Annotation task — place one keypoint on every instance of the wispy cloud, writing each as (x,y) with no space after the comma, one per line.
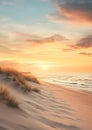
(75,11)
(51,39)
(15,43)
(85,54)
(20,37)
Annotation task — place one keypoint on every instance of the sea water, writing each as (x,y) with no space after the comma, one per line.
(75,80)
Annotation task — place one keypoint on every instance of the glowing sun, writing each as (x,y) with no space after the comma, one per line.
(44,66)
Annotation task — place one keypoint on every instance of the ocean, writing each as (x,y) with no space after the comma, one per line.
(81,81)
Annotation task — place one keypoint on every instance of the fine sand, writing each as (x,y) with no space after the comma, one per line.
(79,101)
(54,108)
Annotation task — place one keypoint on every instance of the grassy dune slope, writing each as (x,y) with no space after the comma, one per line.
(20,81)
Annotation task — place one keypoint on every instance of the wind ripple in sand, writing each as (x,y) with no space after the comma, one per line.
(52,111)
(44,111)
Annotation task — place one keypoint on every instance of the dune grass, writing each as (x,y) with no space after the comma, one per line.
(31,78)
(20,79)
(7,96)
(23,84)
(13,72)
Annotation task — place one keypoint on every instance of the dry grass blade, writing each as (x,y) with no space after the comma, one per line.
(7,96)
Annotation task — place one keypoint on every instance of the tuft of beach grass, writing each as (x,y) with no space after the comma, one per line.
(7,96)
(21,80)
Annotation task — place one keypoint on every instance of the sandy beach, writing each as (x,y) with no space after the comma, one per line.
(79,101)
(54,108)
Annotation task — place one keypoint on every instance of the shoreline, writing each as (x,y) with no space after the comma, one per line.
(67,86)
(80,101)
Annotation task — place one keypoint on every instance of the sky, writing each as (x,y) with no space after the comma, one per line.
(46,36)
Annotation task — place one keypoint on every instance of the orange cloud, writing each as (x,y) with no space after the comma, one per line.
(73,11)
(82,43)
(85,42)
(51,39)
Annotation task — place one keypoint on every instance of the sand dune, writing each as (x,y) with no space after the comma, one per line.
(54,108)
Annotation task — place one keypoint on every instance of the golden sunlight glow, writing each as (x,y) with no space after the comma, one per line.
(44,66)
